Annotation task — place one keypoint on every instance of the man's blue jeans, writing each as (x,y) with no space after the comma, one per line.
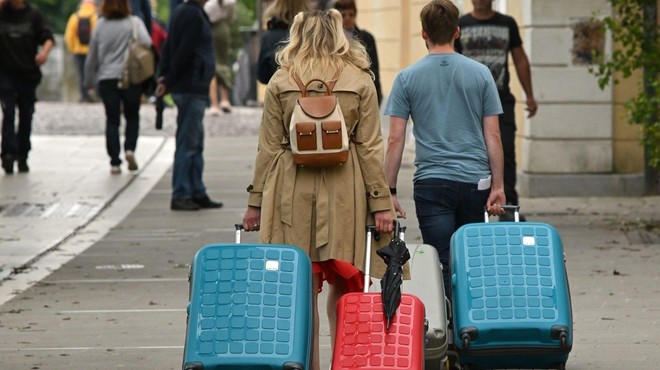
(442,206)
(188,156)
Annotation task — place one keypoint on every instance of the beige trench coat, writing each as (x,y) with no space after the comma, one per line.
(323,211)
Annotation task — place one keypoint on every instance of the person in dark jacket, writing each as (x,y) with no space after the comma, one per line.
(22,30)
(186,67)
(278,17)
(348,12)
(142,9)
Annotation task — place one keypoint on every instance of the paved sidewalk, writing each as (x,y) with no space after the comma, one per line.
(112,292)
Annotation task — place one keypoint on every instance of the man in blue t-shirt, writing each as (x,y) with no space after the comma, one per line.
(454,105)
(488,37)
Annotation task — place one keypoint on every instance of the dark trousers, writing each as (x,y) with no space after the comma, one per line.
(113,98)
(16,92)
(79,59)
(508,134)
(442,206)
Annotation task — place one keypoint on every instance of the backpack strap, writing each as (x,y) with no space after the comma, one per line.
(134,34)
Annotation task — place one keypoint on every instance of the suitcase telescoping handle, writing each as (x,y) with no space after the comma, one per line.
(513,207)
(371,230)
(238,227)
(371,234)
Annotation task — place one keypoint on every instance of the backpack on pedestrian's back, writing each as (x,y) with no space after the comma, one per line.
(84,29)
(317,131)
(139,63)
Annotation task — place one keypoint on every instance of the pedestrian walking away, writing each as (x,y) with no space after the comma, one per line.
(322,210)
(488,37)
(221,13)
(22,30)
(77,35)
(278,18)
(186,68)
(454,105)
(348,11)
(142,10)
(105,66)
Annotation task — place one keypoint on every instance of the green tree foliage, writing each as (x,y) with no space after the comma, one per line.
(635,32)
(57,12)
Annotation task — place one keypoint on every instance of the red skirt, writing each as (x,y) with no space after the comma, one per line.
(331,270)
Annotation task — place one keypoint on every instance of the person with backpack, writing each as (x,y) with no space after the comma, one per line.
(322,210)
(77,35)
(106,66)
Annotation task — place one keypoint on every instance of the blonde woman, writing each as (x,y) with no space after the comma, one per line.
(323,211)
(278,17)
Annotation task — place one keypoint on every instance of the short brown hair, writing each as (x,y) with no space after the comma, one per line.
(346,5)
(439,20)
(115,9)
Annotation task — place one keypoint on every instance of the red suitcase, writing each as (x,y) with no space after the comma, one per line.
(362,342)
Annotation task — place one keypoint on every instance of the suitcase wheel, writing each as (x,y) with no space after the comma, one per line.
(293,366)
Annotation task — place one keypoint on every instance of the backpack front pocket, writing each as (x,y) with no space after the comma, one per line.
(306,135)
(331,134)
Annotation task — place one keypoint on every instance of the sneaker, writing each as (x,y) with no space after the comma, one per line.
(214,111)
(225,106)
(130,158)
(8,163)
(206,202)
(22,165)
(184,205)
(115,170)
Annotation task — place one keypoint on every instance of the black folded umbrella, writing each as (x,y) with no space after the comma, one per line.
(395,255)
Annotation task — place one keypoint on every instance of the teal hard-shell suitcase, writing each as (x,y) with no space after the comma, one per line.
(250,307)
(510,295)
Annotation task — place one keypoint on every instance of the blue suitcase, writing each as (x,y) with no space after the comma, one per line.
(250,308)
(510,294)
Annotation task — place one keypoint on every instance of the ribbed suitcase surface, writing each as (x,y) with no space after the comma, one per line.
(511,297)
(362,341)
(250,308)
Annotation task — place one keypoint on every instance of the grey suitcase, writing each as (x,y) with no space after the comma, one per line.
(426,282)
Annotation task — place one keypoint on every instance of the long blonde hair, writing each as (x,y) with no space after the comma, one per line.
(317,41)
(285,10)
